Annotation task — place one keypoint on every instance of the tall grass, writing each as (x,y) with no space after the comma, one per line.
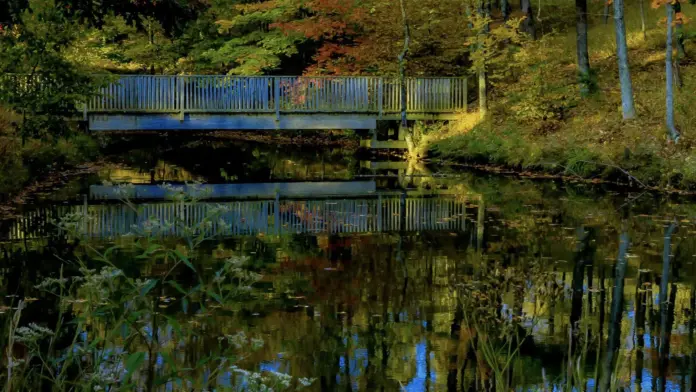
(115,330)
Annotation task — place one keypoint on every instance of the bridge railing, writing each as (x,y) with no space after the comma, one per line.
(334,216)
(279,94)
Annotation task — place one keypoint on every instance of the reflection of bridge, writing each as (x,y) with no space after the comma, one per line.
(380,213)
(268,102)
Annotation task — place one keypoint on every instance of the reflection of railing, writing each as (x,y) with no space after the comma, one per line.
(364,215)
(287,94)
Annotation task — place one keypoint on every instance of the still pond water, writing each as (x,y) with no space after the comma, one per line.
(405,291)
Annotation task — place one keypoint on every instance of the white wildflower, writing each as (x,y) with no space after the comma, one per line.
(238,340)
(256,343)
(305,382)
(32,333)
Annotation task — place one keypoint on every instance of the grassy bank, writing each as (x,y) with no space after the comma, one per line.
(24,163)
(541,123)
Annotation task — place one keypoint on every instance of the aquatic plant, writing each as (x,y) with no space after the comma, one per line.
(115,330)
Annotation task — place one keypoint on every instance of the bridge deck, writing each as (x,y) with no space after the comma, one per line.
(268,102)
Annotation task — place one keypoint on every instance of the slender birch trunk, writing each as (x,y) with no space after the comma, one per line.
(627,103)
(669,84)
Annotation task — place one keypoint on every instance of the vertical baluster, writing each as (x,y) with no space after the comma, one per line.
(119,90)
(136,91)
(159,86)
(366,94)
(443,90)
(243,91)
(212,104)
(422,88)
(210,101)
(255,101)
(432,95)
(151,94)
(208,94)
(437,92)
(128,91)
(166,85)
(244,83)
(249,94)
(190,87)
(234,82)
(173,88)
(146,96)
(358,94)
(196,92)
(229,94)
(202,88)
(244,94)
(347,94)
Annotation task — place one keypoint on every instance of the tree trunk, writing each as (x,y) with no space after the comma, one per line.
(402,79)
(483,93)
(642,18)
(581,43)
(669,84)
(681,51)
(482,86)
(627,104)
(605,13)
(505,9)
(528,24)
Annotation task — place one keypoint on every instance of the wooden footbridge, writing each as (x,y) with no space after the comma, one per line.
(268,102)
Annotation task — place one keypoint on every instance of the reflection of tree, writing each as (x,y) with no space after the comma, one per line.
(666,307)
(640,306)
(584,257)
(616,313)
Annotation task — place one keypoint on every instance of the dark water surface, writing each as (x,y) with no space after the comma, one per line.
(410,291)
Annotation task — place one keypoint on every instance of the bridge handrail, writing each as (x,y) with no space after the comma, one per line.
(279,94)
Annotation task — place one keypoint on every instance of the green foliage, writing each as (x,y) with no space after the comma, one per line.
(250,42)
(115,331)
(493,50)
(38,82)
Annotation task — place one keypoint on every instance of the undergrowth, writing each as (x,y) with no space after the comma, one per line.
(540,122)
